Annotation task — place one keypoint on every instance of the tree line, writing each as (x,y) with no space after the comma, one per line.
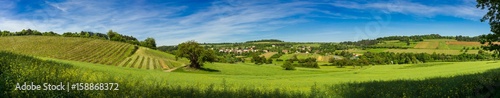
(111,35)
(265,40)
(384,58)
(416,37)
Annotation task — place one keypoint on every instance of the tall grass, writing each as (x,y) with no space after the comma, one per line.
(474,85)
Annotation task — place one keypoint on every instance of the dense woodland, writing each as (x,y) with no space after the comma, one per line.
(111,35)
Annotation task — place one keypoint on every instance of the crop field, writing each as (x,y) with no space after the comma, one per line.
(268,54)
(463,43)
(77,49)
(430,51)
(307,45)
(145,58)
(300,55)
(90,50)
(360,51)
(427,45)
(396,43)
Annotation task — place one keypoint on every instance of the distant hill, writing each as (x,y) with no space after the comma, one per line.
(88,50)
(265,40)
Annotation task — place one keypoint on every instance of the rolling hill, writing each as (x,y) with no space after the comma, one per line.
(90,50)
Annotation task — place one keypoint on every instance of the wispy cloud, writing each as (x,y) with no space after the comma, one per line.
(223,19)
(172,22)
(168,23)
(466,9)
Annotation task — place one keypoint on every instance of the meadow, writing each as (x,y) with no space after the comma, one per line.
(436,79)
(141,72)
(91,50)
(77,49)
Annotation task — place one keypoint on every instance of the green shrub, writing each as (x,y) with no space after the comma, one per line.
(288,66)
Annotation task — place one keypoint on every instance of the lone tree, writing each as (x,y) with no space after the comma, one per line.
(195,53)
(149,42)
(493,17)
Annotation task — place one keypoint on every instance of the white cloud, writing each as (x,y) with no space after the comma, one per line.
(220,21)
(465,10)
(165,22)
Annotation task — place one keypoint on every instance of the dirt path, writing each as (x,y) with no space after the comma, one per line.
(170,70)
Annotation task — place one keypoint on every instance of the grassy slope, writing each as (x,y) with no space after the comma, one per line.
(153,59)
(427,46)
(270,76)
(89,50)
(69,48)
(396,43)
(268,54)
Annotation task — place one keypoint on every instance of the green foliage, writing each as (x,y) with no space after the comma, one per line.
(265,40)
(383,58)
(111,35)
(168,49)
(149,42)
(19,69)
(230,59)
(415,37)
(74,48)
(195,53)
(288,66)
(481,85)
(493,17)
(308,62)
(258,59)
(269,61)
(277,55)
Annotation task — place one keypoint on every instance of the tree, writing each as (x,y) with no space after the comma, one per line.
(269,61)
(288,66)
(149,42)
(196,54)
(114,36)
(493,17)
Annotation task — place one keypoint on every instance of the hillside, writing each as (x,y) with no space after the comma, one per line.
(88,50)
(145,58)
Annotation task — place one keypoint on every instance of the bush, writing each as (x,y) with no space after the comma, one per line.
(279,60)
(277,55)
(288,66)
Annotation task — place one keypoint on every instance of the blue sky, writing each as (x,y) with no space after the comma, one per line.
(171,22)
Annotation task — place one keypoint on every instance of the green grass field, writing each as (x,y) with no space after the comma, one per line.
(145,58)
(90,50)
(395,43)
(306,45)
(430,51)
(142,71)
(268,54)
(78,49)
(271,76)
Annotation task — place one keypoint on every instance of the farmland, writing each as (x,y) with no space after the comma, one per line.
(263,78)
(145,58)
(138,68)
(90,50)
